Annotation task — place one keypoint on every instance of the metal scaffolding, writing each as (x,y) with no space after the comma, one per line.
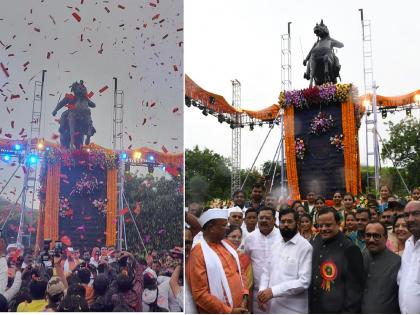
(236,137)
(286,84)
(30,175)
(371,123)
(118,144)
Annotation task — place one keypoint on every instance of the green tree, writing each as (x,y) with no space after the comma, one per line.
(160,219)
(389,175)
(403,148)
(207,175)
(253,177)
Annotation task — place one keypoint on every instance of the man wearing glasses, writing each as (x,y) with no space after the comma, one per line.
(380,294)
(409,274)
(337,269)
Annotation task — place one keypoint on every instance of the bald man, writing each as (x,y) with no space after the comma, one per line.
(409,274)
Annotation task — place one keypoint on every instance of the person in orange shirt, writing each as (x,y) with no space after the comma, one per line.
(85,277)
(213,269)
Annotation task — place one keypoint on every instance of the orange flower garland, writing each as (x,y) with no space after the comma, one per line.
(52,202)
(111,216)
(290,150)
(351,152)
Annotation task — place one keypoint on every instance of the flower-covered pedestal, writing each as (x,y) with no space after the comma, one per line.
(78,196)
(321,128)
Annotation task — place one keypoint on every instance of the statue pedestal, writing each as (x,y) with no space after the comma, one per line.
(314,163)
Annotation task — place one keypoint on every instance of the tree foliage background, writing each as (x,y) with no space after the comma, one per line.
(160,219)
(207,176)
(403,148)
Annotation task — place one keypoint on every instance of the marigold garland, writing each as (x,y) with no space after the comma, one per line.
(111,215)
(291,167)
(52,202)
(351,154)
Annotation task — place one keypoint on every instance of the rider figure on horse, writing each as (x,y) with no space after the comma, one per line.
(322,54)
(78,102)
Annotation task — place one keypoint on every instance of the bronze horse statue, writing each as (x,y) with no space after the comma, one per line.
(323,66)
(76,121)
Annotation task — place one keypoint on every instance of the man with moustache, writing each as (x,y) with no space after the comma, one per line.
(409,274)
(257,197)
(358,237)
(380,294)
(239,199)
(236,216)
(213,270)
(258,246)
(287,274)
(337,269)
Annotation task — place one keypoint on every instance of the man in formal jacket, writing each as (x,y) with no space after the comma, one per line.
(337,269)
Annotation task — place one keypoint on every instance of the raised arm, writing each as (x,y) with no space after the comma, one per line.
(91,104)
(336,43)
(60,105)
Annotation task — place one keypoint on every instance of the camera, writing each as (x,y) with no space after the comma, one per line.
(45,257)
(47,243)
(46,254)
(58,249)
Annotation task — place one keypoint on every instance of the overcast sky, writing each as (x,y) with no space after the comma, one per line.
(139,42)
(241,39)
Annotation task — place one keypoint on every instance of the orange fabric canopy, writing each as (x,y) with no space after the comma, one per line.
(394,101)
(219,104)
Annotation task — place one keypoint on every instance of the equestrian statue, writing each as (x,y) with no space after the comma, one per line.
(76,121)
(322,64)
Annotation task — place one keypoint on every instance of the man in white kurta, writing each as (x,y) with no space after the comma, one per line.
(287,273)
(409,274)
(258,246)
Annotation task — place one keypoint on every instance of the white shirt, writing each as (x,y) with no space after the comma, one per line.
(163,297)
(245,234)
(288,274)
(258,247)
(190,307)
(409,278)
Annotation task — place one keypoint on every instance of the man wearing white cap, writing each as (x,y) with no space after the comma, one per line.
(236,216)
(213,270)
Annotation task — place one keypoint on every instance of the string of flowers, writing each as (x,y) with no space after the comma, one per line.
(93,158)
(337,140)
(325,94)
(64,209)
(321,123)
(86,185)
(101,205)
(300,148)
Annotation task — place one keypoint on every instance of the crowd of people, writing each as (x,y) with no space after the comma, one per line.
(101,280)
(304,256)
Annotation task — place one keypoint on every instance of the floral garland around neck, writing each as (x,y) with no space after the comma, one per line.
(300,148)
(337,140)
(321,123)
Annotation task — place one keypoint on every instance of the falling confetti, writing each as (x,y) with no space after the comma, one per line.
(103,89)
(76,16)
